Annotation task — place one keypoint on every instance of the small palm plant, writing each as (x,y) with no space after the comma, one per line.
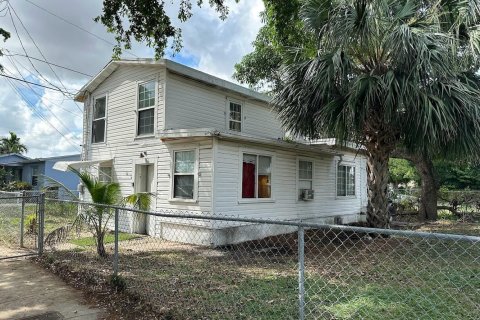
(103,194)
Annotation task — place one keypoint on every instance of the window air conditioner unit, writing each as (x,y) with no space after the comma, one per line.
(307,194)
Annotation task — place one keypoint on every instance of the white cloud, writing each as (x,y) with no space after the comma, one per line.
(215,44)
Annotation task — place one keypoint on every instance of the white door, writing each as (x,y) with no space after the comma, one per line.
(144,183)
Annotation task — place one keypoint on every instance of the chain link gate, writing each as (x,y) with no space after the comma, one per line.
(21,224)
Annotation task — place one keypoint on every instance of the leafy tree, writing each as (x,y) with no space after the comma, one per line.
(402,171)
(282,29)
(385,72)
(147,21)
(458,175)
(5,35)
(12,144)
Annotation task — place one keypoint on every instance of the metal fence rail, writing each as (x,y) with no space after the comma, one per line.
(191,265)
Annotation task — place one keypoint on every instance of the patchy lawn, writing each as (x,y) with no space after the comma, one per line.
(89,241)
(348,276)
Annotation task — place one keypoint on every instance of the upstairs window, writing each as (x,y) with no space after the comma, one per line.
(305,176)
(345,181)
(235,117)
(146,108)
(184,174)
(99,119)
(256,176)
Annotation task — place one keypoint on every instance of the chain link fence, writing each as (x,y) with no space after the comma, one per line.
(202,266)
(19,216)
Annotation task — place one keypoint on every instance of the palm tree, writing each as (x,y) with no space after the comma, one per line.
(11,144)
(97,217)
(385,72)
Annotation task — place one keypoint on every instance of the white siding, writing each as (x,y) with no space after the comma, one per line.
(190,104)
(184,104)
(125,149)
(285,206)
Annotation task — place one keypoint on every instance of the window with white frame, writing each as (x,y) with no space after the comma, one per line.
(305,176)
(105,174)
(99,119)
(235,116)
(256,176)
(146,108)
(34,176)
(184,174)
(345,180)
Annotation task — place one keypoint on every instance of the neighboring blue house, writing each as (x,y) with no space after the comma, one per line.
(21,168)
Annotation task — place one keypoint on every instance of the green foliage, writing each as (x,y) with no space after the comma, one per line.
(139,200)
(402,171)
(17,186)
(458,175)
(31,223)
(11,144)
(5,35)
(147,21)
(282,30)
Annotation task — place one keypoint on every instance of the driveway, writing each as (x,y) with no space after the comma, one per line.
(29,292)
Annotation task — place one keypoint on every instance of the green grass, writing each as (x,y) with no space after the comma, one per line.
(390,278)
(109,238)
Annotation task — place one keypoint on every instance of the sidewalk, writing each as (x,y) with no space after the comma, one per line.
(29,292)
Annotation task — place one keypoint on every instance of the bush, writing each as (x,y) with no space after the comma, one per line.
(17,186)
(31,223)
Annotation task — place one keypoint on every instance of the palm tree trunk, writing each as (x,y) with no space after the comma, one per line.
(377,176)
(380,142)
(101,245)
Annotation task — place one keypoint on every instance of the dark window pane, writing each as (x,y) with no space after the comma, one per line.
(235,126)
(341,183)
(146,120)
(99,108)
(98,131)
(183,187)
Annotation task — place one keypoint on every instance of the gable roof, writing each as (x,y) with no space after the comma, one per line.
(55,158)
(14,155)
(13,159)
(173,67)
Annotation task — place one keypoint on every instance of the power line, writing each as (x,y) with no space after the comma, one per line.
(79,27)
(40,51)
(24,50)
(14,62)
(35,84)
(53,64)
(39,115)
(39,95)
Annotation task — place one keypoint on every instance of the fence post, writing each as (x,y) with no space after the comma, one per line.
(115,254)
(22,220)
(301,273)
(41,222)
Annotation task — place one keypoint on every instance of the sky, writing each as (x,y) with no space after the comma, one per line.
(49,122)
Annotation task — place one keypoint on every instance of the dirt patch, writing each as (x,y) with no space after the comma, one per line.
(98,289)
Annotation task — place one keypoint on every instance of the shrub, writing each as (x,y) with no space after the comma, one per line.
(17,186)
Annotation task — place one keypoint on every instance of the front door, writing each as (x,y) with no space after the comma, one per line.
(144,183)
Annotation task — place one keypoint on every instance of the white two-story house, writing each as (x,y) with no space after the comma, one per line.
(204,145)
